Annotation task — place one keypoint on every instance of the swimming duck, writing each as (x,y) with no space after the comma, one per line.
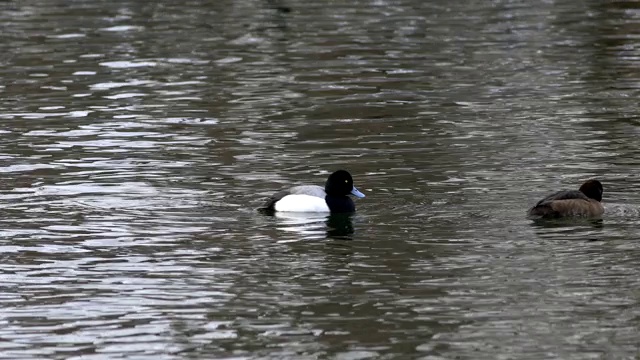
(585,202)
(312,198)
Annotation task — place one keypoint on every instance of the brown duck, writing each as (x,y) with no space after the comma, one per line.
(585,202)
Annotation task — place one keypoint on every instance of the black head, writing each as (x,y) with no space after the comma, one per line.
(593,189)
(339,183)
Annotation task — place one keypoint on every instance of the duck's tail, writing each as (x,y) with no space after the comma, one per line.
(544,210)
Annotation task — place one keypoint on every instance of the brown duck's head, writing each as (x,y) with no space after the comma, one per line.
(593,189)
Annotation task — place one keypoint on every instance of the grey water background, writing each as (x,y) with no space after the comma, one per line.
(138,138)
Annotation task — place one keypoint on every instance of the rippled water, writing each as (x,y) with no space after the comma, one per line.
(137,139)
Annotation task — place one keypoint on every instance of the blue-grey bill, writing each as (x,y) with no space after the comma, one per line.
(355,192)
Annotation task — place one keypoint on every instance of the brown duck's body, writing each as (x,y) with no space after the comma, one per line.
(571,203)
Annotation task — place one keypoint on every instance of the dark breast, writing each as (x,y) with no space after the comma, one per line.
(340,204)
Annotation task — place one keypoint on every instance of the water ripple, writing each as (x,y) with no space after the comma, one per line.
(138,142)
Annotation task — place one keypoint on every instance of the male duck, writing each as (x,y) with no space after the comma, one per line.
(584,202)
(312,198)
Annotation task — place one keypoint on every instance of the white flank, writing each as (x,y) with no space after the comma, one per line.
(302,203)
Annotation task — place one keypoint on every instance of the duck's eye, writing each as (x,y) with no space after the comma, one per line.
(346,181)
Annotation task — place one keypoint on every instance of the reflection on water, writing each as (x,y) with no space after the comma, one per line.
(138,138)
(569,229)
(307,225)
(340,226)
(316,225)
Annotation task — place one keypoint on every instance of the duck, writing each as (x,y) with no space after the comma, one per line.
(585,202)
(333,198)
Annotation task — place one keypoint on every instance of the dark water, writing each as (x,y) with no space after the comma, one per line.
(137,139)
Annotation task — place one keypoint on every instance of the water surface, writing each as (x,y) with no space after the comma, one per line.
(137,140)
